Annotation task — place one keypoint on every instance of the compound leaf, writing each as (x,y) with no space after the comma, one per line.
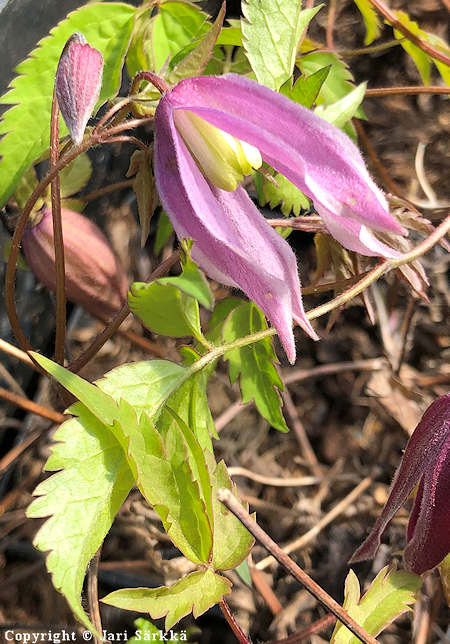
(81,500)
(390,594)
(254,363)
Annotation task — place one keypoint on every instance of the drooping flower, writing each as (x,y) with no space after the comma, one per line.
(197,174)
(78,83)
(95,279)
(426,459)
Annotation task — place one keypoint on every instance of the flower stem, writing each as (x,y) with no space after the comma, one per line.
(58,241)
(237,630)
(230,501)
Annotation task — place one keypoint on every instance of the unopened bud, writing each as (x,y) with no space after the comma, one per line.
(78,83)
(95,279)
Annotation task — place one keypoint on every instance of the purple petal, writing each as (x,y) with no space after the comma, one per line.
(422,452)
(313,154)
(429,525)
(78,83)
(233,242)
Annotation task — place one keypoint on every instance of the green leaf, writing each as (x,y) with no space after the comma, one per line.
(168,485)
(164,230)
(144,385)
(81,500)
(306,88)
(259,379)
(192,281)
(221,311)
(390,594)
(191,403)
(338,82)
(371,20)
(176,25)
(231,541)
(290,198)
(421,59)
(26,125)
(194,593)
(344,109)
(444,572)
(164,308)
(144,627)
(195,62)
(271,31)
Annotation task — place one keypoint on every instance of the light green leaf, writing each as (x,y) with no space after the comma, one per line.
(195,62)
(144,385)
(164,308)
(421,59)
(107,27)
(306,88)
(221,311)
(194,593)
(144,627)
(290,198)
(338,82)
(231,36)
(344,109)
(192,281)
(191,403)
(390,594)
(176,25)
(259,379)
(371,20)
(81,500)
(231,541)
(271,31)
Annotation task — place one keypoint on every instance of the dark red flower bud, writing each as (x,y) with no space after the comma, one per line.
(95,279)
(426,461)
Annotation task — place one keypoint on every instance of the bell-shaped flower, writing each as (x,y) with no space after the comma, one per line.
(78,83)
(426,459)
(198,169)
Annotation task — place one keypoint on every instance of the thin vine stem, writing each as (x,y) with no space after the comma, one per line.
(237,630)
(231,502)
(58,238)
(396,24)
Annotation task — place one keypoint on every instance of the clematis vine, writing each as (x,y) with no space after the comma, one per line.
(209,133)
(426,459)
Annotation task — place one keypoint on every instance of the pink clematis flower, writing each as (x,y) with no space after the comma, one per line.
(426,458)
(78,83)
(197,176)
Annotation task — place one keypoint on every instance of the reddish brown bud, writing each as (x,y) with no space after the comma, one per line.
(95,279)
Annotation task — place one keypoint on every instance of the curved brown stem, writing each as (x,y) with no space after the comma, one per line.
(58,240)
(117,320)
(394,22)
(237,630)
(403,91)
(230,501)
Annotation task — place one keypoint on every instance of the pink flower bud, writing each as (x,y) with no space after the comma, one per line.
(78,83)
(95,279)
